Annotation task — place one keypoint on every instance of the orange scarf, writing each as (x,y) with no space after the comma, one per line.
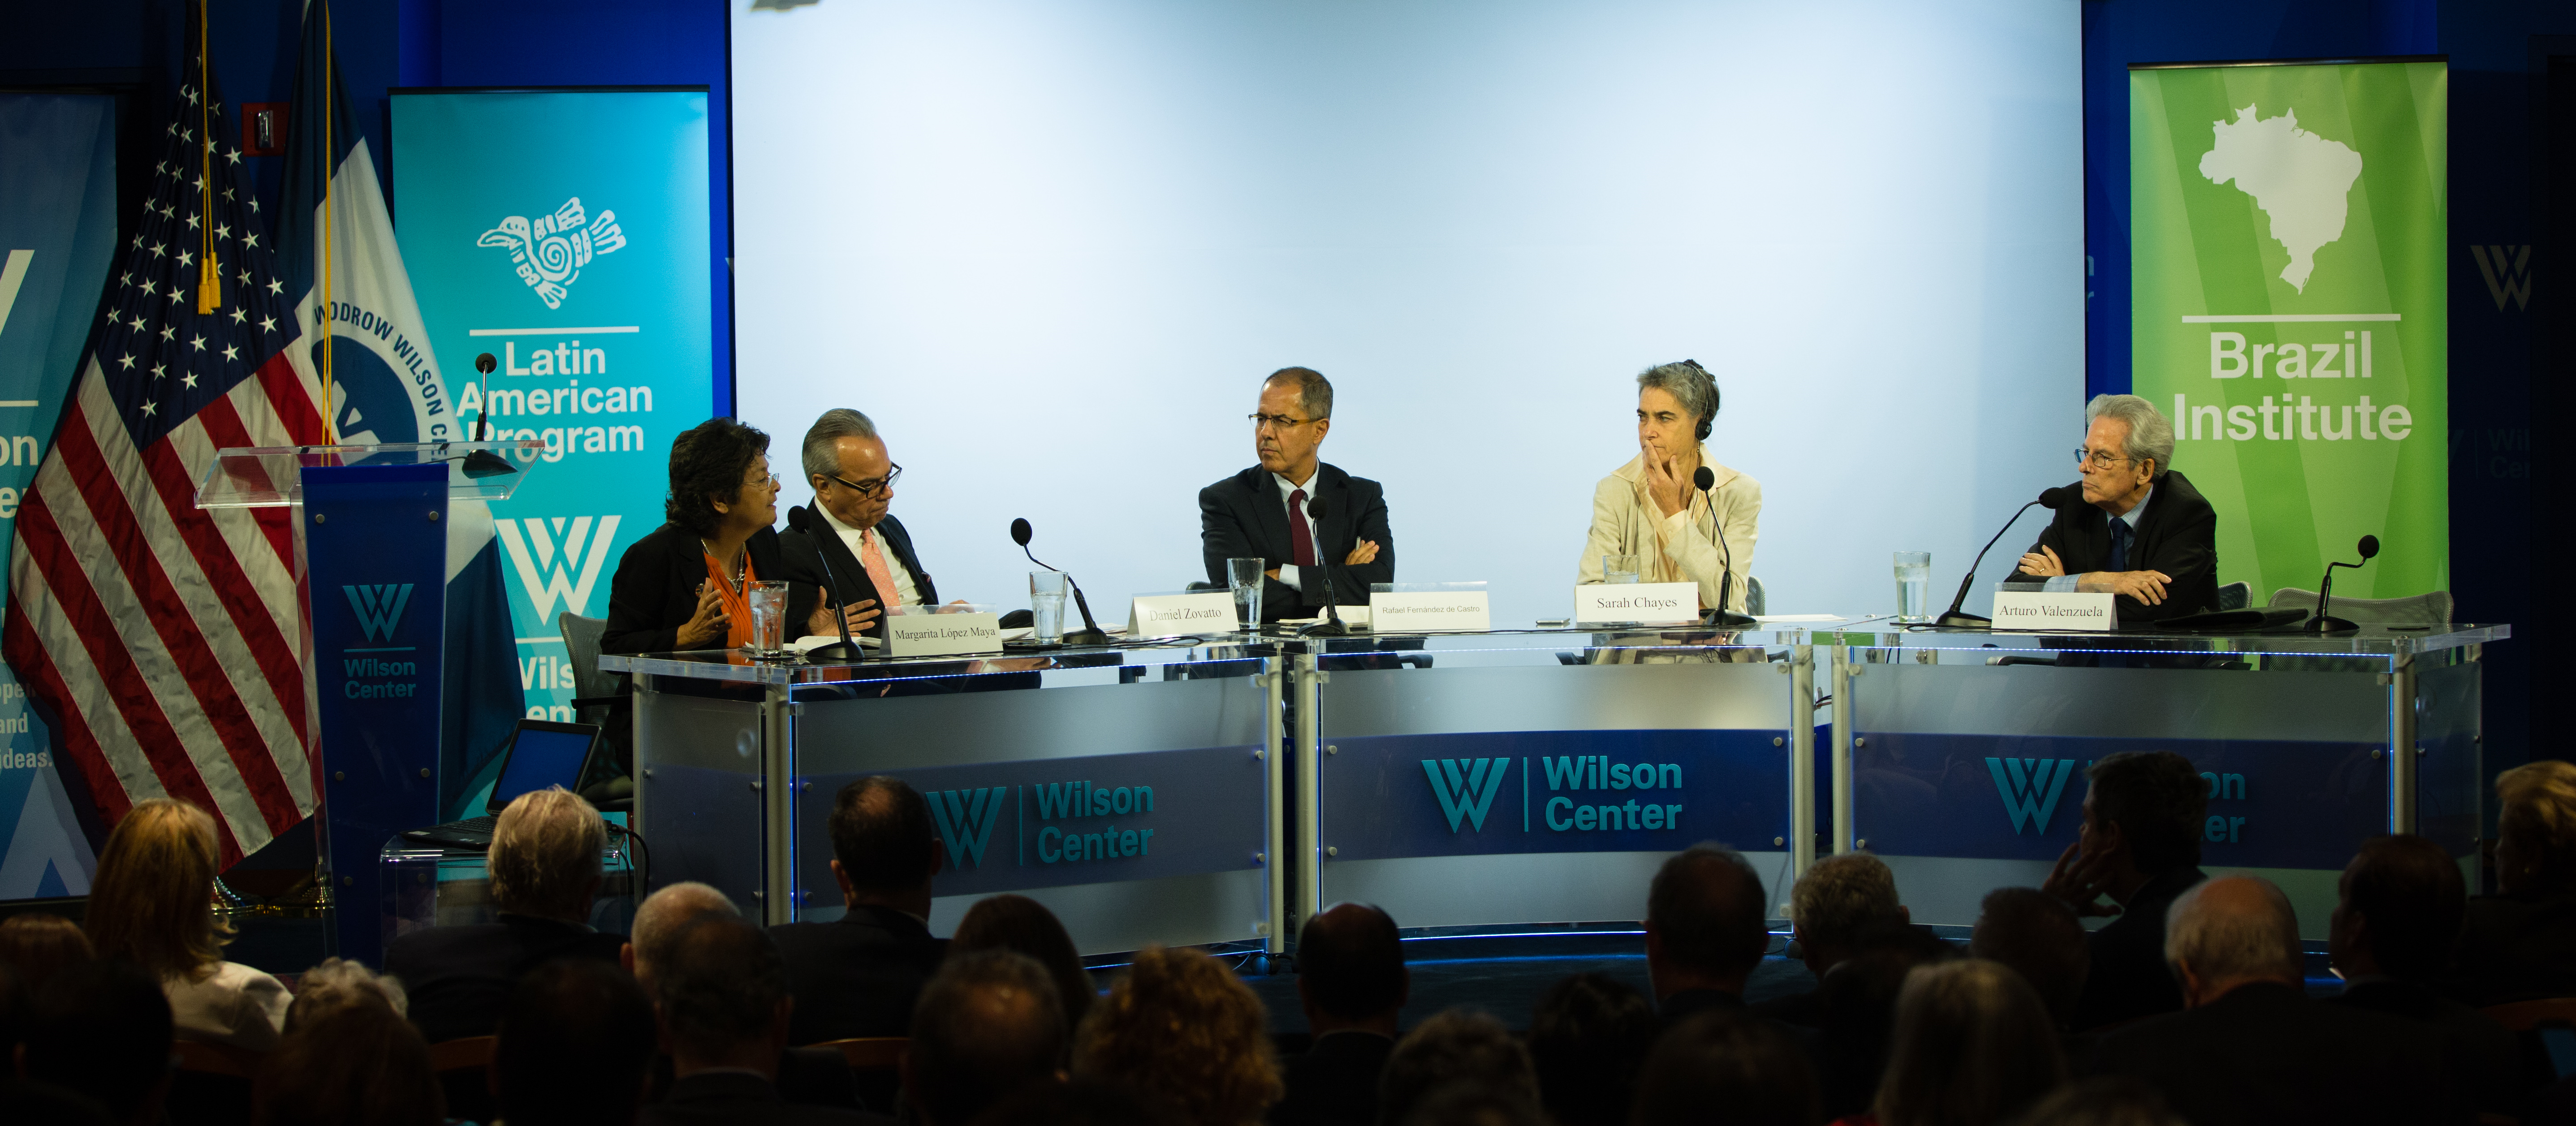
(737,600)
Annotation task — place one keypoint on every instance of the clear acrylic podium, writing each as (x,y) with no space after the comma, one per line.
(370,540)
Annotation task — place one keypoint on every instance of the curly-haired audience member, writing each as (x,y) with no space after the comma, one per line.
(1973,1045)
(1179,1026)
(1455,1046)
(1587,1038)
(152,904)
(357,1061)
(2521,943)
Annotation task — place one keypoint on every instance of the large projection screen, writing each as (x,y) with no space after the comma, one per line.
(1053,246)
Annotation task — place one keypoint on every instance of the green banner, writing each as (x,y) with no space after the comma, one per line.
(2286,232)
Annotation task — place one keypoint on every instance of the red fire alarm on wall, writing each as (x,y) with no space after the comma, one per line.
(263,128)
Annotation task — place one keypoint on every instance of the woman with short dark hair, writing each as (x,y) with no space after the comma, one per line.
(686,584)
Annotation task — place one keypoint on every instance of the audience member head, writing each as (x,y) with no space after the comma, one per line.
(2039,936)
(1973,1045)
(1023,925)
(988,1025)
(337,982)
(358,1062)
(2143,810)
(152,901)
(1474,1104)
(1454,1046)
(572,1048)
(101,1029)
(1725,1068)
(39,944)
(884,848)
(2401,905)
(2105,1100)
(709,462)
(2231,931)
(544,859)
(1859,1020)
(659,920)
(2536,827)
(722,997)
(1587,1037)
(1082,1101)
(1837,901)
(1180,1027)
(1704,916)
(1350,970)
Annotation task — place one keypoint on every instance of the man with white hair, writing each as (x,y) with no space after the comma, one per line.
(2251,1048)
(544,866)
(2143,532)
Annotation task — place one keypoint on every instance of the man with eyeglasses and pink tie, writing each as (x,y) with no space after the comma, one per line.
(1263,511)
(871,555)
(2143,532)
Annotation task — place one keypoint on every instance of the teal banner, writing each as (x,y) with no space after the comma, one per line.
(57,232)
(564,234)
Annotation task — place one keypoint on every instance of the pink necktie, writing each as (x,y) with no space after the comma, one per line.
(873,558)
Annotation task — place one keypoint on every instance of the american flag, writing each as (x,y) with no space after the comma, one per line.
(164,642)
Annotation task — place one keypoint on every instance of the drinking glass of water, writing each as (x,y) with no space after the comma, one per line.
(1244,578)
(1622,568)
(1913,586)
(768,618)
(1046,606)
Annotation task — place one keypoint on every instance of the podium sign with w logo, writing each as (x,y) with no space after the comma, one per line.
(965,819)
(2030,788)
(380,608)
(1466,790)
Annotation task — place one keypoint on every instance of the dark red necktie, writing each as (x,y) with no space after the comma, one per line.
(1302,538)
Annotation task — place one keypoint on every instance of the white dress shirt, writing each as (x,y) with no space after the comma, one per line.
(1288,571)
(905,593)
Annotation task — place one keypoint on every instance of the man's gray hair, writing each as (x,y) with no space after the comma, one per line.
(544,858)
(823,440)
(2151,436)
(1686,382)
(337,982)
(662,916)
(1842,896)
(2230,939)
(1314,392)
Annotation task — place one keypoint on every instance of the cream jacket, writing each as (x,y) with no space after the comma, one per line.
(234,1005)
(1677,548)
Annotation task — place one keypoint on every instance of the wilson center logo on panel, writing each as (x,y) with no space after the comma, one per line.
(2030,788)
(548,575)
(379,608)
(1466,789)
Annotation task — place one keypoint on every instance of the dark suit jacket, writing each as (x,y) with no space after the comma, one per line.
(1692,1002)
(2264,1054)
(2178,536)
(1243,516)
(655,591)
(735,1098)
(2478,1052)
(797,549)
(459,977)
(812,1076)
(1335,1082)
(2518,947)
(859,976)
(2129,978)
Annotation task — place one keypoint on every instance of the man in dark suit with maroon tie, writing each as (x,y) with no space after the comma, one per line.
(2143,532)
(1263,511)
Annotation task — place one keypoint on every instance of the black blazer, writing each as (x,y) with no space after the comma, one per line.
(1335,1082)
(859,976)
(2264,1055)
(2480,1054)
(2178,536)
(798,564)
(2517,947)
(655,591)
(2128,978)
(460,977)
(1243,516)
(736,1098)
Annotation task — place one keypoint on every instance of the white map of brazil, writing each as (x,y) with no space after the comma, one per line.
(2299,179)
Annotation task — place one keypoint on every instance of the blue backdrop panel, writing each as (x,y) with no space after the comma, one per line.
(375,553)
(1485,793)
(2271,804)
(1009,826)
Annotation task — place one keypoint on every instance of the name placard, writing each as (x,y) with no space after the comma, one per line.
(2043,609)
(942,635)
(1651,604)
(1429,610)
(1171,615)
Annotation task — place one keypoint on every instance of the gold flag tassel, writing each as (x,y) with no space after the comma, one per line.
(210,278)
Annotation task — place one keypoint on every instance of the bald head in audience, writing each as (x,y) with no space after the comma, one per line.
(1704,931)
(989,1026)
(661,917)
(2229,932)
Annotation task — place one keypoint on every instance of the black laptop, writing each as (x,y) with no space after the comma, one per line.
(540,754)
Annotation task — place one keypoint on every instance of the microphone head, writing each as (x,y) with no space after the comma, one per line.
(2369,546)
(1705,479)
(796,517)
(2058,497)
(1020,532)
(485,363)
(1315,507)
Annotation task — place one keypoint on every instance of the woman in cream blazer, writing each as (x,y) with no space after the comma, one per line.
(1650,508)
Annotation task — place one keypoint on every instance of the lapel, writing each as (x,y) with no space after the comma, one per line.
(1269,515)
(1340,523)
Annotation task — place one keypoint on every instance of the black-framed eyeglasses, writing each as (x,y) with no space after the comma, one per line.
(2098,459)
(1276,421)
(870,488)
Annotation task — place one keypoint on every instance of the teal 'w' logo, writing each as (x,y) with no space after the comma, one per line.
(380,608)
(1466,790)
(2030,787)
(965,819)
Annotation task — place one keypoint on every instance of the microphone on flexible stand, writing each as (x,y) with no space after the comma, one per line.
(844,649)
(1090,633)
(2052,499)
(485,463)
(1705,480)
(2325,623)
(1331,624)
